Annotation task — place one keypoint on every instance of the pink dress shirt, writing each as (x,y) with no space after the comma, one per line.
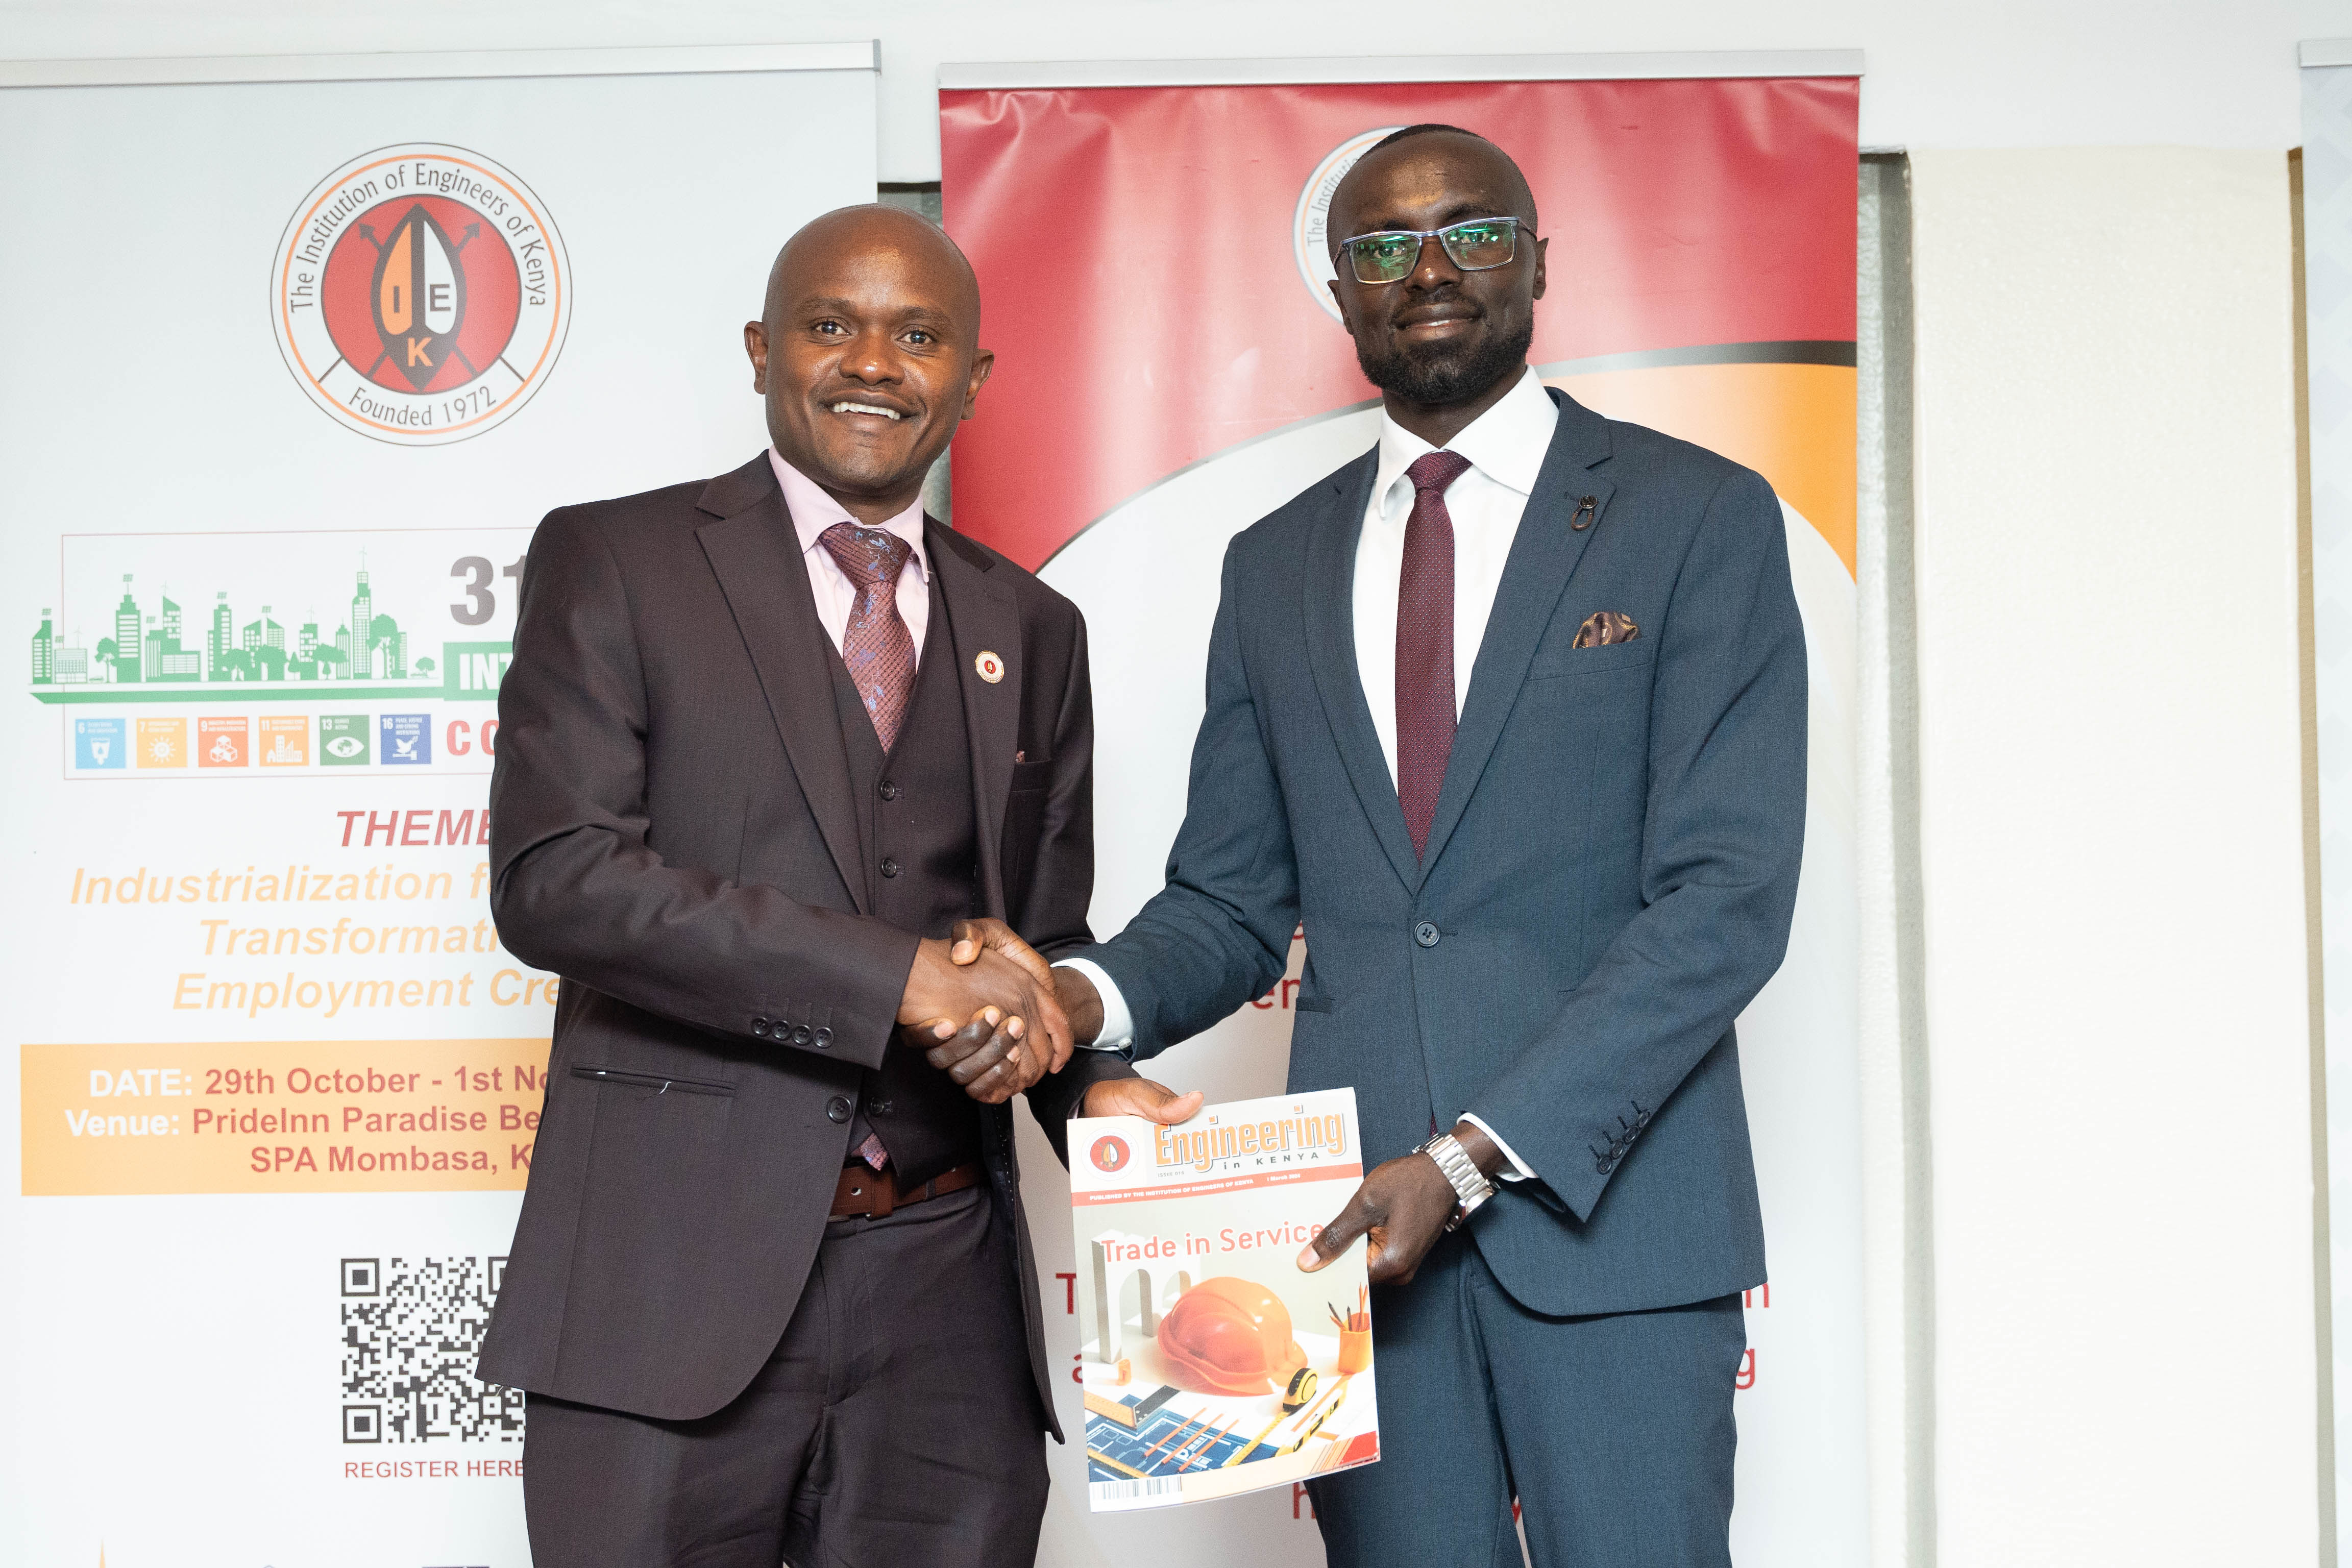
(813,512)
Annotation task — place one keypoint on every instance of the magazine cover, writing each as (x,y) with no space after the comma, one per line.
(1212,1365)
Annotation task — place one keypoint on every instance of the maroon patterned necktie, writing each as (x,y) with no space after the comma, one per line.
(1424,643)
(875,645)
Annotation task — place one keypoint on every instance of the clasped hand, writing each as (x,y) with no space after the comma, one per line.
(996,1054)
(981,1007)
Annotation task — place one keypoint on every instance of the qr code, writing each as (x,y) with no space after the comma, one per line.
(412,1328)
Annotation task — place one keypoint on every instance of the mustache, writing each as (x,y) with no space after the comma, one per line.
(1443,294)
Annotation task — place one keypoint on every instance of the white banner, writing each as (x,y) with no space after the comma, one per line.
(296,366)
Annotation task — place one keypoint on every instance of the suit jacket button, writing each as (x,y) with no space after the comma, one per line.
(1426,934)
(889,790)
(804,1036)
(760,1026)
(836,1109)
(823,1038)
(879,1107)
(890,866)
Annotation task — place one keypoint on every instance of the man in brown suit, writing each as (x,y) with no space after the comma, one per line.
(777,749)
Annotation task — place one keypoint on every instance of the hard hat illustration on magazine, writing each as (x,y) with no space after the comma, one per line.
(1212,1365)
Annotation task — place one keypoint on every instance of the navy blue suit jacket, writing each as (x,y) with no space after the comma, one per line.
(1608,881)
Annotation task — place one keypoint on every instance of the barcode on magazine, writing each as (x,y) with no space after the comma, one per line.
(1128,1492)
(411,1329)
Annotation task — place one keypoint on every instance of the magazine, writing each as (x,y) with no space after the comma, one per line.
(1212,1365)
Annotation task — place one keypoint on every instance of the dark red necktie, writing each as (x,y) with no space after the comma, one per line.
(1424,643)
(875,645)
(879,652)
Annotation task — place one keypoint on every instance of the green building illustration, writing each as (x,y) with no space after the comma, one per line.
(149,648)
(155,654)
(122,650)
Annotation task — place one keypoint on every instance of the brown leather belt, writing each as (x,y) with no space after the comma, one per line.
(864,1191)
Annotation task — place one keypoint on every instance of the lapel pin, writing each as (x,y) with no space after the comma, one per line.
(1584,519)
(990,668)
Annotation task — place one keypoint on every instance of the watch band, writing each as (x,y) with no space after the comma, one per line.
(1470,1184)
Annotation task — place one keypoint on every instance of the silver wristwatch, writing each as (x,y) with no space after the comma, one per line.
(1471,1186)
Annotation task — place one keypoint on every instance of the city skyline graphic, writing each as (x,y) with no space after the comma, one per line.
(155,649)
(258,630)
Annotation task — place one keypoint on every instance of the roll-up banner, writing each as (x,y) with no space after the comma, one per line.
(1170,368)
(300,351)
(2328,295)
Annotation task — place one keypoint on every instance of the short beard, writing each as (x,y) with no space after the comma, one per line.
(1436,377)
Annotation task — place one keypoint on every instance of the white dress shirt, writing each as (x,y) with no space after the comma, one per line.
(1505,447)
(813,512)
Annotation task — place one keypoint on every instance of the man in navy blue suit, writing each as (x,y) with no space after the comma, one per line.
(1511,712)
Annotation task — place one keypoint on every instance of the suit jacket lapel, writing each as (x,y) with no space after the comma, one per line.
(982,616)
(756,555)
(1330,588)
(1543,556)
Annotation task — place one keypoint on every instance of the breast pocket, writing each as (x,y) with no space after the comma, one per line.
(1024,822)
(1558,661)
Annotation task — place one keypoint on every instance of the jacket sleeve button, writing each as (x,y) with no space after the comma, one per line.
(760,1026)
(804,1036)
(823,1038)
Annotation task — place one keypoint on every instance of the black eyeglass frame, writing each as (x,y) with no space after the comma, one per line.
(1444,239)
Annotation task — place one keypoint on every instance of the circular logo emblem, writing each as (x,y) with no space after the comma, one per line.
(1109,1153)
(990,668)
(420,294)
(1310,226)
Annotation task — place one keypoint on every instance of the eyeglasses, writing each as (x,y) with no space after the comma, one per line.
(1391,255)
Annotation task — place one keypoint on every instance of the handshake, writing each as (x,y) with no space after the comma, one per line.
(1021,1020)
(1010,996)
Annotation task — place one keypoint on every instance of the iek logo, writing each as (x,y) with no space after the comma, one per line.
(419,292)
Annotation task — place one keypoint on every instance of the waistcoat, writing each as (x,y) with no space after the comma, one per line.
(917,826)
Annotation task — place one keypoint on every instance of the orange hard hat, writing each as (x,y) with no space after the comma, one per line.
(1229,1336)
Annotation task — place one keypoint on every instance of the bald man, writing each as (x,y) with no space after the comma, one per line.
(1510,712)
(783,765)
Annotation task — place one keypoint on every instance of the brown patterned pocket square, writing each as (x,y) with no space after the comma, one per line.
(1602,628)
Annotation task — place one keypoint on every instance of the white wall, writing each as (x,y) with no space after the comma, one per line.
(1994,73)
(2111,841)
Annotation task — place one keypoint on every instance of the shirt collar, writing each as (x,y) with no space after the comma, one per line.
(1507,443)
(814,512)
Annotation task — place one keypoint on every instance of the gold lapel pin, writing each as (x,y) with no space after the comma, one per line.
(990,668)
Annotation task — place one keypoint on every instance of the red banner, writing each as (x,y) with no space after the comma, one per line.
(1170,368)
(1151,261)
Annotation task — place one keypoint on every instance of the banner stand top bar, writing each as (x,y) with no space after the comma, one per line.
(1404,67)
(2324,52)
(852,54)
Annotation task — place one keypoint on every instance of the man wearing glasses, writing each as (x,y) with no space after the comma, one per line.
(1511,709)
